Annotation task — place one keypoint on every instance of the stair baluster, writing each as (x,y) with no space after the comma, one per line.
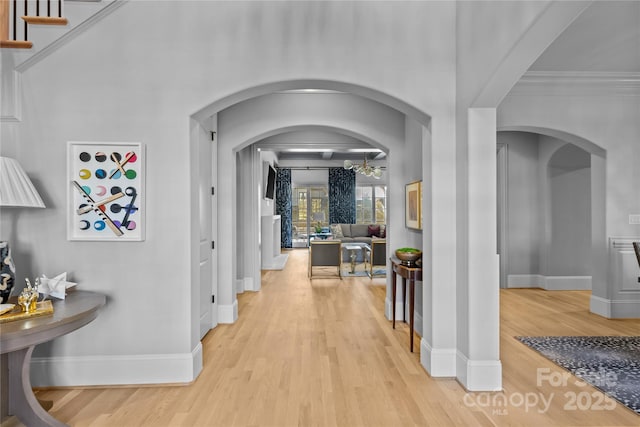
(6,20)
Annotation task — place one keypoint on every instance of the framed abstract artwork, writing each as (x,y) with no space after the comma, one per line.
(413,203)
(105,191)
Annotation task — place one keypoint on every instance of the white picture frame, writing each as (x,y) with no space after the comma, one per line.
(106,191)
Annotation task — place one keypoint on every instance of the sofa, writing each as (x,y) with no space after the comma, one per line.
(357,233)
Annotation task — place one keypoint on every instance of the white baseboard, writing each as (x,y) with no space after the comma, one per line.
(116,370)
(525,281)
(568,283)
(478,375)
(600,306)
(440,362)
(248,284)
(615,309)
(549,283)
(417,323)
(399,313)
(228,313)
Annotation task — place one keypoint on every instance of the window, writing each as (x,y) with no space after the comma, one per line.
(310,209)
(371,204)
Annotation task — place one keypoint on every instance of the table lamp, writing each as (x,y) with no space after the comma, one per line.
(16,190)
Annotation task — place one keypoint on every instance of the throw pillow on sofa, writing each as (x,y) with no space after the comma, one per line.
(336,231)
(383,231)
(373,230)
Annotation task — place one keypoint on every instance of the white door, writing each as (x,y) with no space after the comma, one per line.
(208,285)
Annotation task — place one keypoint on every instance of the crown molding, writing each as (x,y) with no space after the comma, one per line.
(577,83)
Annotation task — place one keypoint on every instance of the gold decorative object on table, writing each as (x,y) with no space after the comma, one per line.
(29,297)
(28,305)
(42,308)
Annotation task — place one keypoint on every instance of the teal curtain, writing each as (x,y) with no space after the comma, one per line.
(283,205)
(342,196)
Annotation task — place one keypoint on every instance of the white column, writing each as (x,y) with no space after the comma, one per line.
(481,367)
(438,344)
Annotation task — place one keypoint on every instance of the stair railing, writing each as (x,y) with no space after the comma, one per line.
(44,12)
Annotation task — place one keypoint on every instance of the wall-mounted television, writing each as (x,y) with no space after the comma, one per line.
(270,182)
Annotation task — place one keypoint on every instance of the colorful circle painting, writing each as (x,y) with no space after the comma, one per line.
(107,187)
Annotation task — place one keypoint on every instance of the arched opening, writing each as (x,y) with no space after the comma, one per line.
(252,117)
(553,204)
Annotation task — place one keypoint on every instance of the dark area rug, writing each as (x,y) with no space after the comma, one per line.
(611,364)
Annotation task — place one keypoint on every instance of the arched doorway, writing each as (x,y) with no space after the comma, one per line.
(555,217)
(438,206)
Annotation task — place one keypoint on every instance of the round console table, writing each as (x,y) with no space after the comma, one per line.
(19,338)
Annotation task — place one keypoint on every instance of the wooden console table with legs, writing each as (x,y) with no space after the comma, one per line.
(17,341)
(407,273)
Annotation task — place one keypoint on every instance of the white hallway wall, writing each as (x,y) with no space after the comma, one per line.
(122,81)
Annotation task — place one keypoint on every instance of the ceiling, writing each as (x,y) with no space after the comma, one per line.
(605,38)
(319,145)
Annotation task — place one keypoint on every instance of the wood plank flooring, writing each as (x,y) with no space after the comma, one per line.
(321,353)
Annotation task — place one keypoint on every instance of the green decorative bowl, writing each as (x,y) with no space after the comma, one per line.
(408,256)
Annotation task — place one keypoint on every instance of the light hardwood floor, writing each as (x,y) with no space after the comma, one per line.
(321,353)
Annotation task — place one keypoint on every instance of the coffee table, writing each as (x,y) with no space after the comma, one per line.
(353,249)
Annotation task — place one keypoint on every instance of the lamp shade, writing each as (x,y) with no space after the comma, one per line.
(318,216)
(16,188)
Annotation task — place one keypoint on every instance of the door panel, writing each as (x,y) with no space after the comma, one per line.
(206,219)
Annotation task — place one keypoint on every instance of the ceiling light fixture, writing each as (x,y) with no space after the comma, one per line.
(364,169)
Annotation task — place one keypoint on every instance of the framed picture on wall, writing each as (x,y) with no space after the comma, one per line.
(105,191)
(413,203)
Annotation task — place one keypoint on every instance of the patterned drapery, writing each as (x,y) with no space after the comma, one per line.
(283,205)
(342,196)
